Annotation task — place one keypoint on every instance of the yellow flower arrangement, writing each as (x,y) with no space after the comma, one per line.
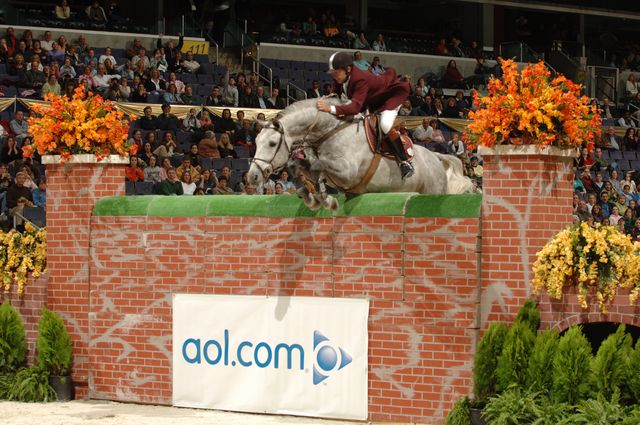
(599,257)
(21,255)
(529,107)
(82,124)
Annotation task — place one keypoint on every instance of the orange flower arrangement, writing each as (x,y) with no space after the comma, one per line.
(529,107)
(84,124)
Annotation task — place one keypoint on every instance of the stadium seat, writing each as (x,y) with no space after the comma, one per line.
(129,188)
(240,164)
(206,163)
(144,188)
(218,163)
(184,137)
(36,215)
(242,151)
(630,155)
(615,154)
(205,78)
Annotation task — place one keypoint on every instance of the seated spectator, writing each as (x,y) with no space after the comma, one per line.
(168,146)
(477,170)
(276,102)
(95,13)
(126,70)
(173,78)
(379,45)
(284,181)
(456,146)
(190,64)
(18,67)
(170,48)
(124,90)
(188,98)
(21,49)
(314,91)
(626,121)
(20,127)
(248,99)
(376,68)
(360,62)
(188,186)
(62,10)
(631,86)
(133,173)
(222,188)
(215,98)
(438,110)
(424,132)
(107,55)
(225,147)
(140,95)
(225,124)
(51,86)
(230,95)
(33,77)
(133,48)
(19,196)
(175,63)
(207,181)
(208,145)
(171,96)
(152,170)
(158,61)
(405,108)
(136,139)
(10,151)
(452,76)
(244,136)
(610,140)
(191,121)
(455,48)
(4,51)
(205,121)
(56,54)
(110,67)
(91,59)
(193,155)
(141,57)
(82,46)
(39,194)
(452,110)
(67,71)
(629,141)
(166,120)
(361,42)
(148,121)
(103,80)
(628,180)
(441,48)
(155,83)
(171,185)
(188,168)
(309,27)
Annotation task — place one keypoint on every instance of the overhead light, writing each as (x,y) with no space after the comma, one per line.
(222,6)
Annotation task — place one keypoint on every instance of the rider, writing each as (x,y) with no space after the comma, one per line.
(382,93)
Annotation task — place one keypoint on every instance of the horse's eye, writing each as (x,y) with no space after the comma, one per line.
(272,144)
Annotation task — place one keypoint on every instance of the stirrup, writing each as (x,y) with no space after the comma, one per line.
(406,169)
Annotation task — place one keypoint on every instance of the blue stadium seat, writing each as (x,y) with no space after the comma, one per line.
(144,188)
(184,137)
(10,91)
(205,78)
(635,165)
(153,98)
(203,90)
(630,155)
(188,78)
(206,163)
(129,188)
(36,215)
(240,164)
(218,163)
(615,154)
(3,68)
(242,151)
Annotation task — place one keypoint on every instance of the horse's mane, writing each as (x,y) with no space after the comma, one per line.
(306,104)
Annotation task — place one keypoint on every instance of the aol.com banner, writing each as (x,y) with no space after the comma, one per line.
(285,355)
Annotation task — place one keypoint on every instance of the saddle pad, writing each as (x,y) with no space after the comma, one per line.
(372,131)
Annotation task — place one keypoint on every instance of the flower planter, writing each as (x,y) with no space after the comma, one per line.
(63,387)
(84,159)
(510,150)
(476,416)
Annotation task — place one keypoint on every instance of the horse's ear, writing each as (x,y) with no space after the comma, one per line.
(276,125)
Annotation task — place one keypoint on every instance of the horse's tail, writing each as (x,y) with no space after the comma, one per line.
(457,182)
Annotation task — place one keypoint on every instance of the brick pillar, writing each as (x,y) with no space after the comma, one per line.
(72,189)
(527,200)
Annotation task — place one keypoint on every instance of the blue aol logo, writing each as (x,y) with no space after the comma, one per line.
(327,358)
(261,354)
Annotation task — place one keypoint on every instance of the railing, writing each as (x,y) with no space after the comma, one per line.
(263,72)
(602,81)
(559,47)
(520,51)
(292,88)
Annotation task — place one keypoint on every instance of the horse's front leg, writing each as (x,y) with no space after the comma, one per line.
(328,201)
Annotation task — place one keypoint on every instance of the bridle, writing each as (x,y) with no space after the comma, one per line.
(269,163)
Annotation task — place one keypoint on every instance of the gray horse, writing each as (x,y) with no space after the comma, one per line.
(336,150)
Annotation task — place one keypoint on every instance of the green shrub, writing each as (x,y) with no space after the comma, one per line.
(53,347)
(514,360)
(550,413)
(460,414)
(13,342)
(32,385)
(599,411)
(634,373)
(611,364)
(485,362)
(513,406)
(529,315)
(6,382)
(540,370)
(572,376)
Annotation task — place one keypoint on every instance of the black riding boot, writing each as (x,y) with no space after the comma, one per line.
(406,168)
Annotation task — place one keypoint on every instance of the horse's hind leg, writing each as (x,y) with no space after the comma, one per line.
(310,200)
(328,201)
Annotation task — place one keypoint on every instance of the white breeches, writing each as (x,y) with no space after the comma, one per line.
(387,118)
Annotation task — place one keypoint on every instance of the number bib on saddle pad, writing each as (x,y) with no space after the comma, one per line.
(382,146)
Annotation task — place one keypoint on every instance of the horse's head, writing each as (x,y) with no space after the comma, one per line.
(272,153)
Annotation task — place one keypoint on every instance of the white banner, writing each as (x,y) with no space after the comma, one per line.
(285,355)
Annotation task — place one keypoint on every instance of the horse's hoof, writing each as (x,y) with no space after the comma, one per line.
(330,203)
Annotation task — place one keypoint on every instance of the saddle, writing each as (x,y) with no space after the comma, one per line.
(378,143)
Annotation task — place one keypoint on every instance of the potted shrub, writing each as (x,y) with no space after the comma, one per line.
(485,363)
(13,342)
(540,370)
(572,373)
(514,359)
(54,353)
(460,414)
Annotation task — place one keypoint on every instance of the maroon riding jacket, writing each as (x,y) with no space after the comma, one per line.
(373,92)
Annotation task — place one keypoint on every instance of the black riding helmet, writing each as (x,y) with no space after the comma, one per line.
(340,60)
